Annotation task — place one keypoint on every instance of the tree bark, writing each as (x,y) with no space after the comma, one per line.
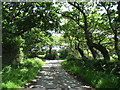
(77,47)
(116,46)
(116,39)
(118,11)
(91,49)
(103,51)
(50,49)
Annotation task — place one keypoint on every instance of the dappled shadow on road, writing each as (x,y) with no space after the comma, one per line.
(53,76)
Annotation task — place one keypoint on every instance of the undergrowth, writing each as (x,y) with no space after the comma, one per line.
(91,74)
(16,77)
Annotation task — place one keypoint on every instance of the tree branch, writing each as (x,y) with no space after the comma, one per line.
(73,19)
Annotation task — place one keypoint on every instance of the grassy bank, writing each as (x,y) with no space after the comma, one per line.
(92,75)
(16,77)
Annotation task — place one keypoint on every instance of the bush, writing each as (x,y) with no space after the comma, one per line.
(63,53)
(9,85)
(72,57)
(32,62)
(51,56)
(17,77)
(11,50)
(96,78)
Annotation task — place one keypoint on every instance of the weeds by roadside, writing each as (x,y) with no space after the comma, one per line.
(91,74)
(17,77)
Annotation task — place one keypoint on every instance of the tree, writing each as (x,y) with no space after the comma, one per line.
(113,22)
(84,26)
(20,20)
(28,15)
(74,36)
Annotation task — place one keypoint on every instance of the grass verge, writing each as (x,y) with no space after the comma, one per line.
(17,77)
(97,79)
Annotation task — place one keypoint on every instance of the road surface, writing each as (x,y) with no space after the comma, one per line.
(53,77)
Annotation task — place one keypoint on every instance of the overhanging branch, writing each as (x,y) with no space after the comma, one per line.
(73,19)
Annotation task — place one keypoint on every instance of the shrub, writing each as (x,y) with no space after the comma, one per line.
(51,56)
(11,49)
(32,62)
(72,57)
(96,78)
(14,77)
(63,53)
(9,85)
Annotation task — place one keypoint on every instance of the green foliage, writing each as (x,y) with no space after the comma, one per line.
(63,53)
(32,62)
(11,49)
(52,55)
(96,78)
(35,39)
(21,55)
(73,55)
(26,27)
(17,77)
(9,85)
(41,56)
(24,17)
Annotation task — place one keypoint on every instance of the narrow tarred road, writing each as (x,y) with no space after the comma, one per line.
(53,76)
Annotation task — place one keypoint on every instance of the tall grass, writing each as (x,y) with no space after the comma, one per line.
(17,77)
(98,79)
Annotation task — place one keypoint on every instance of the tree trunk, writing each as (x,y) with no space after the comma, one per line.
(118,11)
(91,49)
(115,37)
(114,30)
(103,51)
(50,49)
(80,50)
(88,37)
(116,45)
